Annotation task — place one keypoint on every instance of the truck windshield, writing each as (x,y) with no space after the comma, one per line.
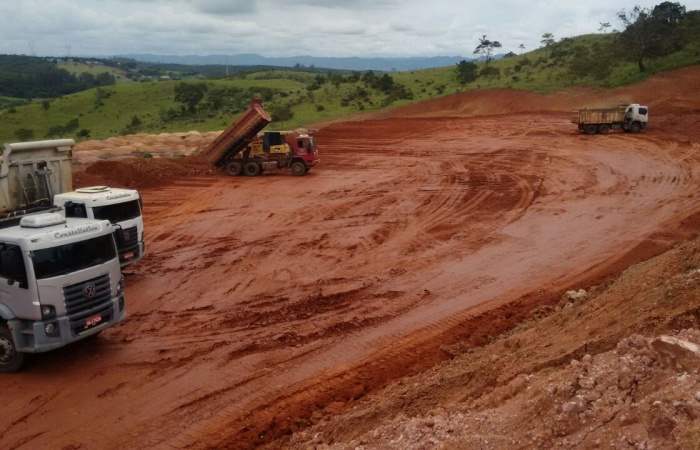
(118,212)
(54,261)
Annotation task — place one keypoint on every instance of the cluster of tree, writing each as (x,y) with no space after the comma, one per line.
(653,32)
(200,98)
(386,85)
(648,33)
(69,129)
(33,77)
(383,84)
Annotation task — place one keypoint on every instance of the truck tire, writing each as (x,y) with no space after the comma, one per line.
(591,129)
(298,169)
(252,169)
(234,168)
(635,128)
(10,359)
(603,129)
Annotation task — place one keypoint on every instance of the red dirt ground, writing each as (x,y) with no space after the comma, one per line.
(406,293)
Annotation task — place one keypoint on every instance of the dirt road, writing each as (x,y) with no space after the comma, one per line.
(266,302)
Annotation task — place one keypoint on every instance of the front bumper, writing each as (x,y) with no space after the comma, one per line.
(31,336)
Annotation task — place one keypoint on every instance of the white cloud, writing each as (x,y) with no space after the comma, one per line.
(225,7)
(294,27)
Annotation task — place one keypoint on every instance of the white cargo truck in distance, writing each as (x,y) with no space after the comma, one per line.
(630,118)
(39,174)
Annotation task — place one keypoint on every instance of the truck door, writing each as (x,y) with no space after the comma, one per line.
(14,288)
(301,147)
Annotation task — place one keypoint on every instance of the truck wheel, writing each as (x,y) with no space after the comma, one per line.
(603,129)
(252,169)
(635,128)
(10,359)
(234,168)
(298,169)
(591,129)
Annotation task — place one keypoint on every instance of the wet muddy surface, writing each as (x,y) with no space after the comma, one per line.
(265,302)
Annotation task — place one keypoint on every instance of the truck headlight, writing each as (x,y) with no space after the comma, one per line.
(52,330)
(120,285)
(48,312)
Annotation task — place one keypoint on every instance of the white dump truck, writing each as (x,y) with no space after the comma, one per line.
(39,174)
(630,118)
(60,277)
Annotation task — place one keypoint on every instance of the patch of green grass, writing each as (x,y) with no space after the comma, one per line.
(77,68)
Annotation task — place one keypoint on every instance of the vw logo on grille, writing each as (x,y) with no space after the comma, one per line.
(126,235)
(90,290)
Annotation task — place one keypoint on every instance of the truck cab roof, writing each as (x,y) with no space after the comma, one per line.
(43,230)
(97,195)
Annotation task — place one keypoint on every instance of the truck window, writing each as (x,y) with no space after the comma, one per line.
(118,212)
(643,111)
(300,143)
(75,210)
(67,258)
(12,264)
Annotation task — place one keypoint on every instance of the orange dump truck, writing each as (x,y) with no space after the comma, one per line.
(243,149)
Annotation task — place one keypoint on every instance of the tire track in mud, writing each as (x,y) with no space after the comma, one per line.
(392,356)
(449,200)
(252,312)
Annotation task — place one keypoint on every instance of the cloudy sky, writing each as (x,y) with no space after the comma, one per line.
(295,27)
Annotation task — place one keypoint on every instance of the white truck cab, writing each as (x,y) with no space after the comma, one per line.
(122,207)
(636,113)
(60,281)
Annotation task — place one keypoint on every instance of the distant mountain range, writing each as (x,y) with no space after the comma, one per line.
(354,63)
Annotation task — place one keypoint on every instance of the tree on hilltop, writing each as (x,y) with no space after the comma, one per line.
(486,48)
(547,41)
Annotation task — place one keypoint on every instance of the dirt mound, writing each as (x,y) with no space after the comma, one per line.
(530,388)
(140,173)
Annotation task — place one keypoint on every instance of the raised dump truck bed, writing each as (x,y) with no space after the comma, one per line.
(238,135)
(32,172)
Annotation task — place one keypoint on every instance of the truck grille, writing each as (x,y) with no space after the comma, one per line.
(127,242)
(127,239)
(87,299)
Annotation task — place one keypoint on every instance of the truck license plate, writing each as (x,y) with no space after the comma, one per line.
(92,321)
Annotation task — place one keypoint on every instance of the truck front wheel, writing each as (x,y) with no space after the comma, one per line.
(591,129)
(635,128)
(298,169)
(10,359)
(252,169)
(234,168)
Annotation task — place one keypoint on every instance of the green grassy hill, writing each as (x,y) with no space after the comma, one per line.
(76,67)
(297,98)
